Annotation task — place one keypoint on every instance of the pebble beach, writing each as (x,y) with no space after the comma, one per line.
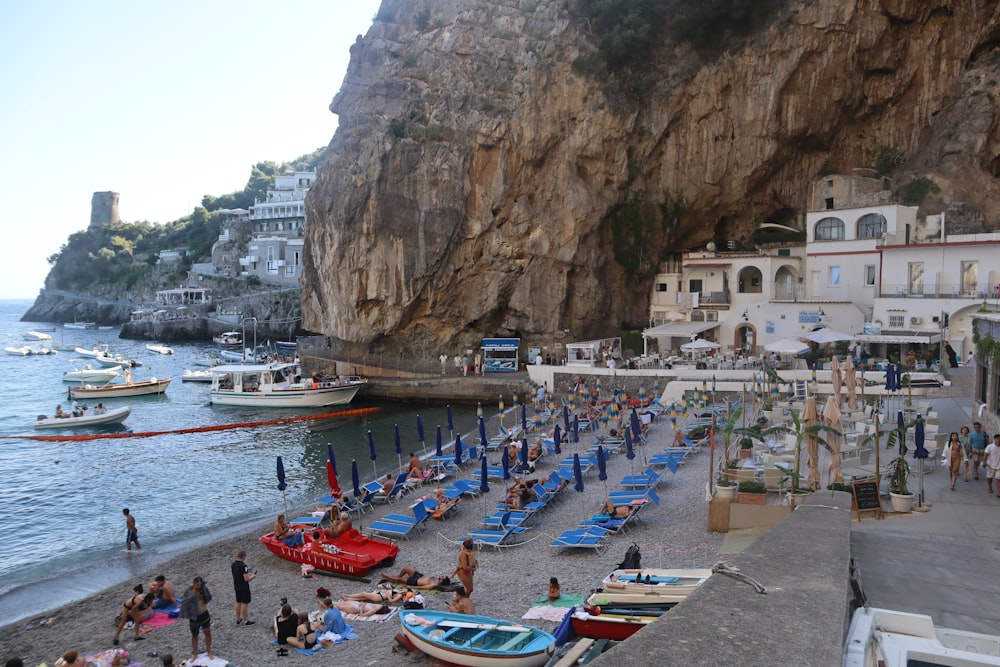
(507,582)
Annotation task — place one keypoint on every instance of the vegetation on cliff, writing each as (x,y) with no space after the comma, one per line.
(124,256)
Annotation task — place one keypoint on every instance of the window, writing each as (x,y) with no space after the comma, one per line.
(661,287)
(695,286)
(869,275)
(871,226)
(915,275)
(828,202)
(834,276)
(970,278)
(897,321)
(697,316)
(830,229)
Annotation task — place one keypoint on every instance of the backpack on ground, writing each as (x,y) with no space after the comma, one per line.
(632,558)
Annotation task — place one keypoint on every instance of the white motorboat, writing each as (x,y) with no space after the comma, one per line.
(37,336)
(197,376)
(159,349)
(110,359)
(80,325)
(91,352)
(209,360)
(27,351)
(89,418)
(246,355)
(276,385)
(898,639)
(87,373)
(141,388)
(229,339)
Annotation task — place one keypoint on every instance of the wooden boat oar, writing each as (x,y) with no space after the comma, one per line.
(483,626)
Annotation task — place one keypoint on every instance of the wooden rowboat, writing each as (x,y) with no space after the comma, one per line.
(352,554)
(121,389)
(476,641)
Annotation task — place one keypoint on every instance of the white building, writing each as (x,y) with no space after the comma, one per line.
(278,228)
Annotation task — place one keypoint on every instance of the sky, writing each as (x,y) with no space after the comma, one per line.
(162,102)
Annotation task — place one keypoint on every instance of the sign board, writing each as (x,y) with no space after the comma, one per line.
(500,354)
(866,498)
(873,328)
(808,316)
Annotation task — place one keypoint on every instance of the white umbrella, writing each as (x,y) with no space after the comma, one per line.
(824,336)
(851,380)
(787,346)
(831,415)
(836,378)
(700,344)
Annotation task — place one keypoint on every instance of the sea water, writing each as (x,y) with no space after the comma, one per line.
(62,522)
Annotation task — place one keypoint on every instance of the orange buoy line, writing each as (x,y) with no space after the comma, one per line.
(354,412)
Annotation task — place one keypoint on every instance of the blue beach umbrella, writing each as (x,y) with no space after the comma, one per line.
(355,478)
(484,483)
(281,483)
(920,453)
(438,451)
(629,451)
(458,449)
(451,423)
(420,433)
(602,467)
(399,446)
(901,425)
(331,457)
(371,452)
(636,427)
(577,473)
(483,440)
(556,437)
(479,410)
(524,453)
(505,462)
(566,417)
(524,417)
(576,428)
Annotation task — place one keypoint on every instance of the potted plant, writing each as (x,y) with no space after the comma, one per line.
(837,486)
(795,494)
(899,493)
(752,493)
(746,448)
(725,488)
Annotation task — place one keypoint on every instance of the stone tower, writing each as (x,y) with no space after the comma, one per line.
(104,209)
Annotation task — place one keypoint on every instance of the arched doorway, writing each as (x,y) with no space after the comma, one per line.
(745,338)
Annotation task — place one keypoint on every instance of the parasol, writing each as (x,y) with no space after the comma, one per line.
(438,451)
(372,454)
(281,483)
(451,424)
(602,467)
(825,335)
(576,428)
(483,440)
(831,416)
(920,453)
(700,344)
(810,417)
(577,473)
(835,378)
(556,437)
(355,478)
(484,484)
(851,380)
(420,434)
(458,449)
(331,473)
(399,446)
(787,346)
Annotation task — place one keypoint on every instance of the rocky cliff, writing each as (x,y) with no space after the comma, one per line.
(469,188)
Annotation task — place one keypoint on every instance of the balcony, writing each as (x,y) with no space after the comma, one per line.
(954,291)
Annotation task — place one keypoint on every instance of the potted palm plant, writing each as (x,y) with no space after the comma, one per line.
(899,493)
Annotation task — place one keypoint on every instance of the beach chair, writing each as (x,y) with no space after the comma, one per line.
(400,525)
(496,537)
(397,490)
(648,479)
(503,518)
(465,487)
(590,537)
(499,441)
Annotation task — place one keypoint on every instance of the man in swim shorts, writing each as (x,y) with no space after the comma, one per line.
(131,534)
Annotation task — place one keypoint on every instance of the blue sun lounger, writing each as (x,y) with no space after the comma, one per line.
(400,525)
(590,537)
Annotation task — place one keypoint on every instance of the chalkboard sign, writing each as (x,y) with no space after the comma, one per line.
(866,497)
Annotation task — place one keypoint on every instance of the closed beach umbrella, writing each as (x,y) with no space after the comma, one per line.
(500,403)
(851,380)
(810,417)
(636,427)
(602,467)
(538,420)
(642,390)
(281,483)
(484,484)
(629,451)
(524,453)
(505,462)
(831,415)
(920,454)
(556,437)
(331,457)
(835,375)
(483,440)
(458,449)
(479,410)
(572,402)
(566,417)
(331,473)
(372,454)
(420,433)
(355,478)
(577,473)
(599,389)
(399,446)
(576,428)
(524,417)
(437,445)
(901,427)
(451,424)
(515,403)
(890,378)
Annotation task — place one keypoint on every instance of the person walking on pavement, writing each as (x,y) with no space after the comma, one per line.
(992,464)
(978,439)
(242,576)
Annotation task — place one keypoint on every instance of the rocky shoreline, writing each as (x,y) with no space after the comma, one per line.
(672,534)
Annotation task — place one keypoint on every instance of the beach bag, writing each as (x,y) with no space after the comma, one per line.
(632,558)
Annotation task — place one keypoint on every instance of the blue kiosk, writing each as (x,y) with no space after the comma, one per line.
(500,355)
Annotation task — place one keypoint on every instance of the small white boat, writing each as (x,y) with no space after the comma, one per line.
(197,376)
(897,639)
(86,373)
(476,641)
(229,339)
(142,388)
(91,352)
(159,349)
(209,360)
(109,359)
(246,355)
(89,418)
(276,385)
(37,336)
(80,325)
(23,351)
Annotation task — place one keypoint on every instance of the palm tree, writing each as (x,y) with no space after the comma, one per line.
(801,432)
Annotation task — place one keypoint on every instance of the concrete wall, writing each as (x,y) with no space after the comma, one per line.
(803,563)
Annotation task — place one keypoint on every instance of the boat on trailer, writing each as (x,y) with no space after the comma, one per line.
(120,389)
(476,641)
(278,385)
(351,554)
(90,418)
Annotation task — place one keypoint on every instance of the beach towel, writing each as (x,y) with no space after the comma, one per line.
(554,611)
(159,619)
(378,618)
(104,658)
(204,661)
(562,601)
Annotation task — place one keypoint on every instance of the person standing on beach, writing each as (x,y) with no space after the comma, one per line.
(444,364)
(242,576)
(467,564)
(194,607)
(131,534)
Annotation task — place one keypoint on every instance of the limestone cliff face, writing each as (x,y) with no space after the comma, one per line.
(468,189)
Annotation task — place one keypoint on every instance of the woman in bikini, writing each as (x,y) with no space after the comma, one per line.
(467,564)
(135,609)
(362,609)
(378,597)
(415,579)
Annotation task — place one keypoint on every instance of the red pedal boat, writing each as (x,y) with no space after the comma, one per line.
(352,554)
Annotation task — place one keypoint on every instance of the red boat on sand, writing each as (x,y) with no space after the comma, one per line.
(352,554)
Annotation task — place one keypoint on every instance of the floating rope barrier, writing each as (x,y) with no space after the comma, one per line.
(354,412)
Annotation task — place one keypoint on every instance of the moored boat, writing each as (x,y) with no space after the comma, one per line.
(86,373)
(899,639)
(159,349)
(616,624)
(80,325)
(229,339)
(37,336)
(22,351)
(115,416)
(122,389)
(476,641)
(277,385)
(659,581)
(351,554)
(197,376)
(109,359)
(247,356)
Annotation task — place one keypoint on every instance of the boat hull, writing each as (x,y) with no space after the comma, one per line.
(609,626)
(197,376)
(356,554)
(461,639)
(287,398)
(121,390)
(115,416)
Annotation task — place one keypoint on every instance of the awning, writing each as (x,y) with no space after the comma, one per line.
(900,337)
(679,329)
